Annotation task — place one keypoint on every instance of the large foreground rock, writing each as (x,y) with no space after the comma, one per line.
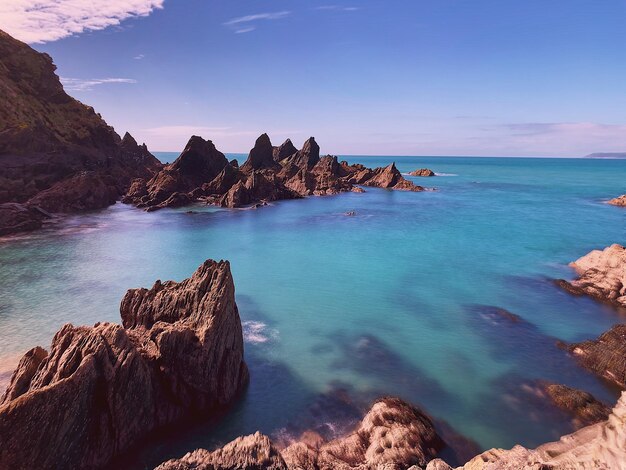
(99,390)
(393,435)
(602,275)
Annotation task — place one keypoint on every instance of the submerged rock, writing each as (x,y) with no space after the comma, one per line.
(99,390)
(422,172)
(581,405)
(605,356)
(393,435)
(602,275)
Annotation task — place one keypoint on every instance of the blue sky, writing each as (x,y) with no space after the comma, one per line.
(418,77)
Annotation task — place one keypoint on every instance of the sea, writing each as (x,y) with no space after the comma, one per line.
(411,295)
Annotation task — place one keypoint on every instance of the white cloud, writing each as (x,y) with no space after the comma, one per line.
(336,7)
(37,21)
(139,57)
(82,84)
(241,24)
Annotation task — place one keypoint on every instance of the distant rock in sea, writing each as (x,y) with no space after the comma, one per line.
(422,172)
(618,201)
(102,389)
(269,174)
(49,142)
(609,155)
(602,275)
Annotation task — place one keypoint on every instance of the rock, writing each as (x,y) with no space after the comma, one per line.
(307,157)
(286,149)
(261,156)
(393,435)
(350,213)
(599,446)
(582,406)
(102,389)
(47,137)
(254,452)
(84,191)
(436,464)
(605,355)
(422,172)
(618,201)
(602,275)
(227,178)
(388,177)
(16,218)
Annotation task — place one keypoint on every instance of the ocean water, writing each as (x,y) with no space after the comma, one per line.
(400,299)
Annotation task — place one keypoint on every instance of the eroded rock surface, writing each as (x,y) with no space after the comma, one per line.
(101,389)
(16,217)
(602,275)
(393,435)
(422,172)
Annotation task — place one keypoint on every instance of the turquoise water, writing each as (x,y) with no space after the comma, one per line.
(395,300)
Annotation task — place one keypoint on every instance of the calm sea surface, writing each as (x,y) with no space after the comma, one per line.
(400,299)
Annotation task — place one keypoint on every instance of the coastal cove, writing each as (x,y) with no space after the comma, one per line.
(397,299)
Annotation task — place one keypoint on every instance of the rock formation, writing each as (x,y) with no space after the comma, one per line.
(599,446)
(582,406)
(48,137)
(605,356)
(422,172)
(101,389)
(618,201)
(602,275)
(268,174)
(392,435)
(16,217)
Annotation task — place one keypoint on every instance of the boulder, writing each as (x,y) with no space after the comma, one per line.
(102,389)
(422,172)
(618,201)
(602,275)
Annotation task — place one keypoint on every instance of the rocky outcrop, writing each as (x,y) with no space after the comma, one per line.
(392,435)
(584,408)
(269,174)
(16,217)
(48,137)
(101,389)
(599,446)
(618,201)
(422,172)
(605,355)
(602,275)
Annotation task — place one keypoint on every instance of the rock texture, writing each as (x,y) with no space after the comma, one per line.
(584,408)
(422,172)
(393,435)
(606,356)
(101,389)
(48,137)
(16,217)
(599,446)
(618,201)
(602,275)
(269,174)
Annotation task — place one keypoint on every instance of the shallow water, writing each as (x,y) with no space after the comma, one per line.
(394,300)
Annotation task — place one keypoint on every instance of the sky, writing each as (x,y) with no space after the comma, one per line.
(365,77)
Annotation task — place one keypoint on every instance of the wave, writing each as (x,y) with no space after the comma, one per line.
(445,174)
(256,332)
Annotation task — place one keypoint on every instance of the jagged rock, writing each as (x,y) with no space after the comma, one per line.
(618,201)
(307,157)
(102,389)
(388,177)
(602,275)
(47,136)
(237,196)
(227,178)
(16,218)
(261,156)
(138,189)
(87,190)
(599,446)
(422,172)
(393,435)
(581,405)
(605,355)
(286,149)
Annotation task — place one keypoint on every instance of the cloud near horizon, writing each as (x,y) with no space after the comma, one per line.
(82,84)
(38,21)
